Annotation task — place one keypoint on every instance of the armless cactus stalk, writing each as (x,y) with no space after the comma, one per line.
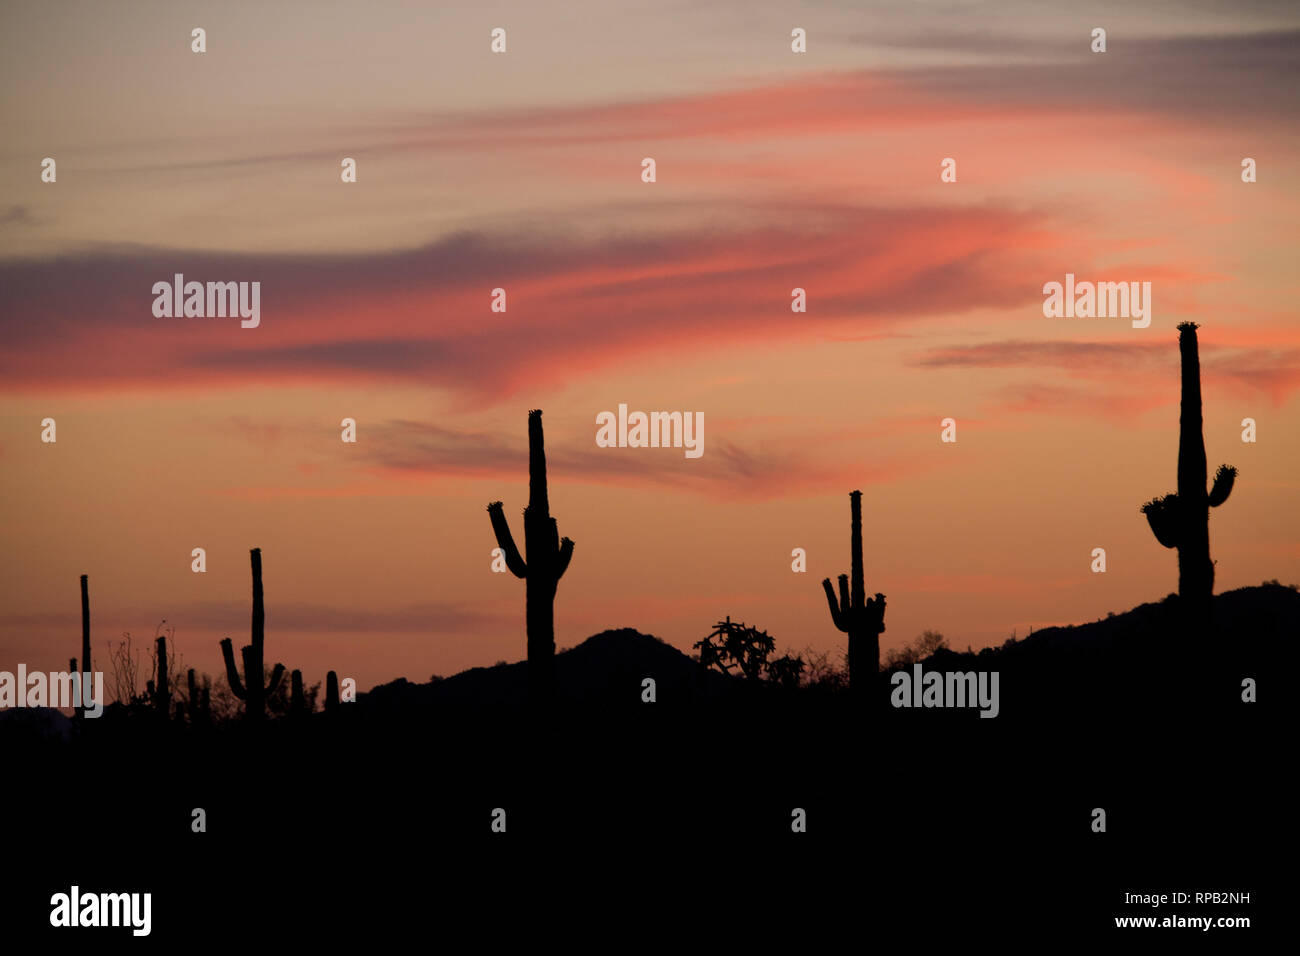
(1182,520)
(160,691)
(548,559)
(331,691)
(85,637)
(297,699)
(858,616)
(252,691)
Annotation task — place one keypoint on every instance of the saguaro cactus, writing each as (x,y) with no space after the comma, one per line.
(252,691)
(85,638)
(331,691)
(1182,520)
(548,558)
(78,686)
(297,699)
(160,691)
(858,616)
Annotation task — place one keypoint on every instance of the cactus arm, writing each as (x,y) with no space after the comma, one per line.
(1223,480)
(506,541)
(564,557)
(876,611)
(1162,516)
(277,675)
(836,617)
(232,672)
(846,604)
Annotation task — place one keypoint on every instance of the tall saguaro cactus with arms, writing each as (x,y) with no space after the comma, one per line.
(860,617)
(251,690)
(1182,520)
(548,559)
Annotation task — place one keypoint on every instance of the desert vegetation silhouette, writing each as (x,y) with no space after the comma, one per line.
(860,617)
(734,645)
(548,559)
(255,687)
(1182,520)
(85,637)
(734,649)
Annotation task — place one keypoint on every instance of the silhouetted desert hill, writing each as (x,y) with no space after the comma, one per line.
(1050,668)
(1143,659)
(41,723)
(1255,616)
(1135,665)
(1115,714)
(606,669)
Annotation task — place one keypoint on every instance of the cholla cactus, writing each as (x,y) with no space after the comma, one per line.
(1182,520)
(735,644)
(858,616)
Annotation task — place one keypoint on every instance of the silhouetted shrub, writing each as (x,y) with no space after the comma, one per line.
(735,645)
(918,650)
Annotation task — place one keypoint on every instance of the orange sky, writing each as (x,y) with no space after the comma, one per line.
(522,171)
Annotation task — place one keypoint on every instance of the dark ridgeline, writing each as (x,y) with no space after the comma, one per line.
(252,691)
(1182,520)
(160,691)
(858,616)
(548,559)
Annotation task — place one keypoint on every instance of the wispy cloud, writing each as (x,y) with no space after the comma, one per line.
(399,449)
(575,305)
(1274,372)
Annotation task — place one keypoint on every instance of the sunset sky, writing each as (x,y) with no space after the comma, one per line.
(522,170)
